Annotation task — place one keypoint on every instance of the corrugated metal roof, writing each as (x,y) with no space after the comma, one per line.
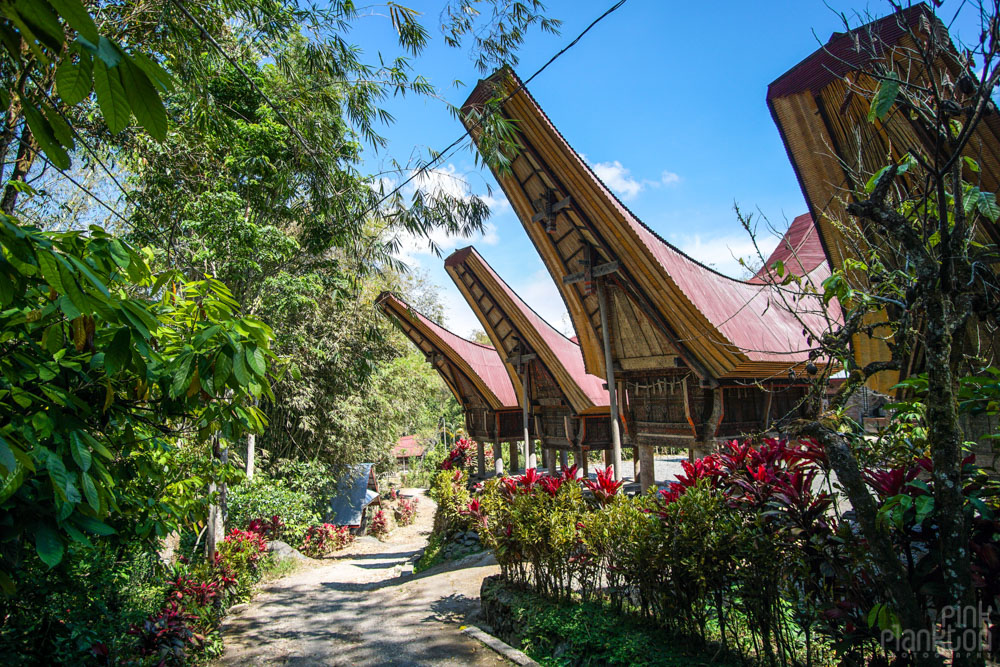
(407,446)
(483,360)
(846,52)
(353,495)
(563,349)
(747,317)
(801,252)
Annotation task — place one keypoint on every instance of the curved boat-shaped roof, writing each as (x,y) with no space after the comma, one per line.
(507,318)
(800,250)
(716,324)
(823,121)
(479,365)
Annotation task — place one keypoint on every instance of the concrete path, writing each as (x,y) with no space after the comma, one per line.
(359,610)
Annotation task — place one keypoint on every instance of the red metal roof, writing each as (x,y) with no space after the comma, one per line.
(482,359)
(407,447)
(846,52)
(801,252)
(751,317)
(565,350)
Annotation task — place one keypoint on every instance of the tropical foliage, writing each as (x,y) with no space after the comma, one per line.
(750,547)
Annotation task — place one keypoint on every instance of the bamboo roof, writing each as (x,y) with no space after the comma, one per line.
(474,372)
(824,124)
(508,320)
(664,305)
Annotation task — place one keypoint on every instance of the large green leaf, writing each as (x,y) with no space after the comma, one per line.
(90,491)
(117,354)
(223,369)
(111,96)
(58,475)
(144,100)
(884,98)
(80,451)
(45,137)
(48,545)
(74,13)
(74,80)
(43,21)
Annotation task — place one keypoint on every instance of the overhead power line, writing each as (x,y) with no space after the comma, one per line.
(439,156)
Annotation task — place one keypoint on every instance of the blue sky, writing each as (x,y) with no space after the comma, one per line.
(665,99)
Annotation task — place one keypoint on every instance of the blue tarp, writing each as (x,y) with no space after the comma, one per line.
(353,495)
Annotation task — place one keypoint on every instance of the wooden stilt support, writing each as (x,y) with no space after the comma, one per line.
(609,370)
(636,466)
(563,459)
(529,446)
(481,458)
(647,464)
(550,459)
(498,457)
(514,446)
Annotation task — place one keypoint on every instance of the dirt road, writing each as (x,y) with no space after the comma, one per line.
(358,610)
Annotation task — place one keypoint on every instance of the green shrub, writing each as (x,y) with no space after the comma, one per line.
(593,634)
(264,497)
(66,614)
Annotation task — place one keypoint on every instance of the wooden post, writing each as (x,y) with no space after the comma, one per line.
(513,457)
(585,459)
(550,456)
(563,459)
(251,449)
(648,466)
(636,466)
(498,457)
(525,403)
(609,372)
(481,458)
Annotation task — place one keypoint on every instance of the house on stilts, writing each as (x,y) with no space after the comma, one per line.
(689,356)
(821,107)
(474,373)
(567,406)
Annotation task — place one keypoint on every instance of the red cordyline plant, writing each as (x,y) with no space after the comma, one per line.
(477,512)
(379,527)
(460,456)
(405,510)
(166,635)
(605,487)
(325,539)
(270,528)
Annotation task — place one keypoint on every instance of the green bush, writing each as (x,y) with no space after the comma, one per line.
(590,633)
(65,615)
(264,497)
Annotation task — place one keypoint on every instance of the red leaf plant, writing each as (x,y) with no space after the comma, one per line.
(605,488)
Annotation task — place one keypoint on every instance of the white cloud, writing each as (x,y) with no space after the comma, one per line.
(618,178)
(438,182)
(540,292)
(669,178)
(722,253)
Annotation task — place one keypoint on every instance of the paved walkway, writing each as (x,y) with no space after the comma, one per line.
(358,610)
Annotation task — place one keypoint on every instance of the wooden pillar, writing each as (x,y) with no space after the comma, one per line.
(513,457)
(481,458)
(648,467)
(550,456)
(585,462)
(498,457)
(529,448)
(609,371)
(563,459)
(636,467)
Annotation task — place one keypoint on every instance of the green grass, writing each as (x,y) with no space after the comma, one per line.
(557,634)
(433,553)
